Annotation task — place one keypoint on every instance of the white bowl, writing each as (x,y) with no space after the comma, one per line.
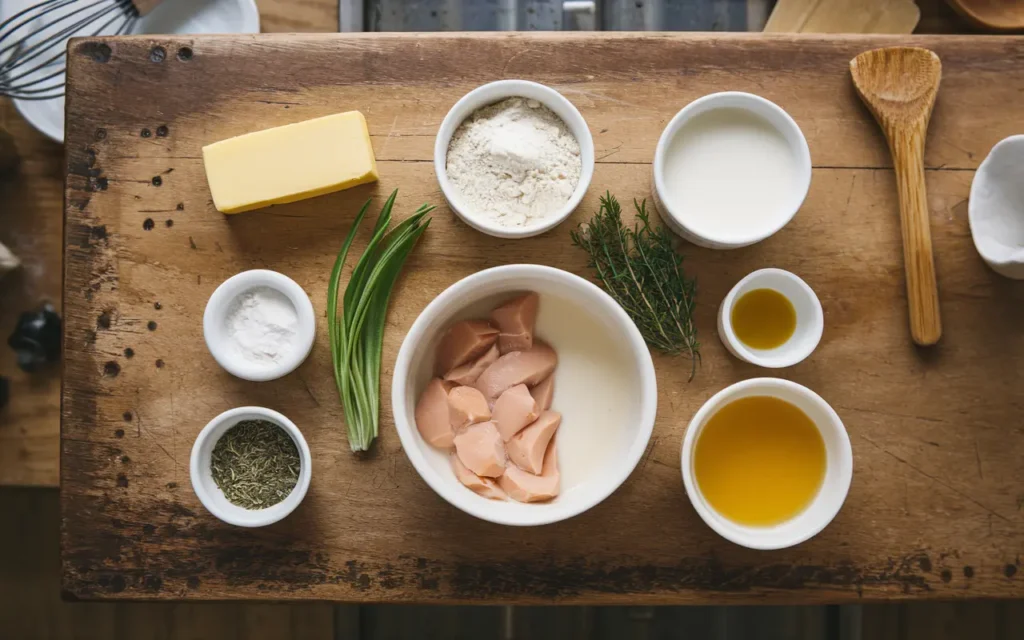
(210,494)
(834,487)
(810,321)
(219,343)
(996,208)
(673,215)
(178,17)
(608,407)
(495,92)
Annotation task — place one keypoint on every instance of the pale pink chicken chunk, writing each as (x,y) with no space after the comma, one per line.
(544,392)
(526,448)
(464,341)
(514,409)
(486,487)
(467,406)
(519,367)
(432,417)
(480,448)
(469,372)
(515,320)
(526,487)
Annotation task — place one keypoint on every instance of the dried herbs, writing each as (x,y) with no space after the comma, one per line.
(256,464)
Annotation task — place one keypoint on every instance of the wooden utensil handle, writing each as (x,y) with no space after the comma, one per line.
(922,290)
(145,6)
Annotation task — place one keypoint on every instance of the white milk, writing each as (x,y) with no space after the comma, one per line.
(597,390)
(728,172)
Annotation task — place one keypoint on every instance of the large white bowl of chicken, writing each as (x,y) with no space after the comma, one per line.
(524,395)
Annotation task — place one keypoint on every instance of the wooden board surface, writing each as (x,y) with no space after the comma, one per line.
(30,220)
(935,506)
(31,216)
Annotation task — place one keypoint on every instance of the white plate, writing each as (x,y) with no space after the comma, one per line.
(171,16)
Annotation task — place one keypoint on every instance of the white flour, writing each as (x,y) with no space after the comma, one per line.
(262,324)
(514,162)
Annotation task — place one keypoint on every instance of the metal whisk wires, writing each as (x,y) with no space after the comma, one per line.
(33,41)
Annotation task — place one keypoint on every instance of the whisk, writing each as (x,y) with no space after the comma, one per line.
(32,40)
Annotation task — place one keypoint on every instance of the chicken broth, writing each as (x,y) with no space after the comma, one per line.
(759,461)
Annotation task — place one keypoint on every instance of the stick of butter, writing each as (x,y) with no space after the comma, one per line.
(290,163)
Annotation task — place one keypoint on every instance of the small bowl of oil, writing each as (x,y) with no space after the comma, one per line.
(767,463)
(771,318)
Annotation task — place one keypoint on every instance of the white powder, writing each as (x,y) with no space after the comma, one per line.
(262,325)
(514,162)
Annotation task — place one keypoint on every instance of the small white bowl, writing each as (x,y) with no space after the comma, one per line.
(608,407)
(810,321)
(495,92)
(210,494)
(834,487)
(219,343)
(764,109)
(996,208)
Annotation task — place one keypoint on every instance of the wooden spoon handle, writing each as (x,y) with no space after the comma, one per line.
(922,291)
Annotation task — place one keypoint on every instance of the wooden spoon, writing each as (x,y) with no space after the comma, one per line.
(996,15)
(898,85)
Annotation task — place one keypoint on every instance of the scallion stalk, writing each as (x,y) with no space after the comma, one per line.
(357,335)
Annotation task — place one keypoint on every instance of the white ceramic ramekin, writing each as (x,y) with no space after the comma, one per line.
(777,118)
(210,494)
(578,368)
(996,208)
(810,321)
(834,487)
(219,342)
(495,92)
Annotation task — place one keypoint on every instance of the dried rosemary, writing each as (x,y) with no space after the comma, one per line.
(255,464)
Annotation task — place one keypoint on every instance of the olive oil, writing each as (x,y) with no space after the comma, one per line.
(763,319)
(759,461)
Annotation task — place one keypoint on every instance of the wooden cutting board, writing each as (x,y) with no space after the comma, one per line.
(935,506)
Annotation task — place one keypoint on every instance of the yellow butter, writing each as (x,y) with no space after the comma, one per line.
(289,163)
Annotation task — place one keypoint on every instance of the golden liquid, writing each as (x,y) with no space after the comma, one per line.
(759,461)
(763,319)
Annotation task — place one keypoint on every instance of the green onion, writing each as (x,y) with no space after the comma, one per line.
(357,336)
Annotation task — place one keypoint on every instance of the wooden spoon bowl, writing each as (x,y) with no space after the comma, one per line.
(899,85)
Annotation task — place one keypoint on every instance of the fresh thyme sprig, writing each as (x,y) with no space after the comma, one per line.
(639,267)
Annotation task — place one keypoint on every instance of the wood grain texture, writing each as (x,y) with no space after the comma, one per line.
(937,481)
(31,225)
(899,85)
(31,606)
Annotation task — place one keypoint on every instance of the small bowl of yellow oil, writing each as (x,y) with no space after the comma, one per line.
(771,318)
(767,463)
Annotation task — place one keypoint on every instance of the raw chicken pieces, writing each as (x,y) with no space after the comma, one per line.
(467,406)
(432,417)
(480,448)
(518,367)
(469,372)
(490,405)
(527,447)
(464,341)
(515,320)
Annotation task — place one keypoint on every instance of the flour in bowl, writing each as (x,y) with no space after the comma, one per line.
(514,163)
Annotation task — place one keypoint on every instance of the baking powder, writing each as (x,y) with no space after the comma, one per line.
(514,162)
(262,325)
